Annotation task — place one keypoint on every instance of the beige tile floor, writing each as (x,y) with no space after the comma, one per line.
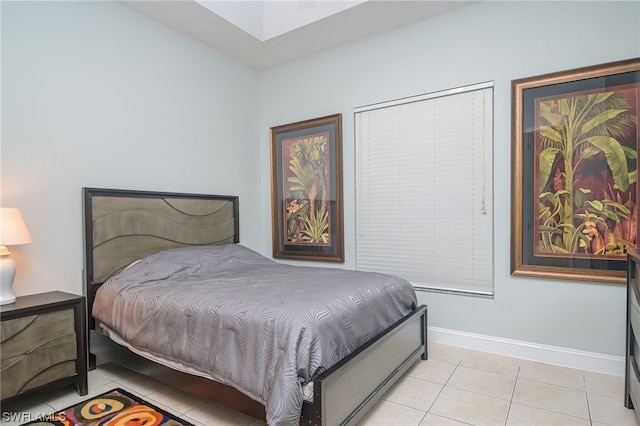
(454,387)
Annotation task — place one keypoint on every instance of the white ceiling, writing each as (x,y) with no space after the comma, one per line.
(265,34)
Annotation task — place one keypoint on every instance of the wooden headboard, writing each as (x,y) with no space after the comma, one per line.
(121,226)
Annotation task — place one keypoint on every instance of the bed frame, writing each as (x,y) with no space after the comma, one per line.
(121,226)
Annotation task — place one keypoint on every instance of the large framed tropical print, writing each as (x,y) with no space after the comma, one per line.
(574,172)
(306,190)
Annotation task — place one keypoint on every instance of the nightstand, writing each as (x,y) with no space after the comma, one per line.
(43,343)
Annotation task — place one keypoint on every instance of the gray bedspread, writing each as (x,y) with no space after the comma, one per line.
(262,327)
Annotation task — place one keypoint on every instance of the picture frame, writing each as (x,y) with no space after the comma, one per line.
(306,190)
(574,187)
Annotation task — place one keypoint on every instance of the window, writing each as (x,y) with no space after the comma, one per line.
(424,189)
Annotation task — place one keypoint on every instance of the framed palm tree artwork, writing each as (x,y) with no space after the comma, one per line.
(306,190)
(575,170)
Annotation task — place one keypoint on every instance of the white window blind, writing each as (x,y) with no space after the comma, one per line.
(424,181)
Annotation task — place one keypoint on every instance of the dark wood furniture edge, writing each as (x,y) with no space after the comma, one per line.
(631,369)
(629,337)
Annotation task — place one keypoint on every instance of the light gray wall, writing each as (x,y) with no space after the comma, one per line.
(490,41)
(95,94)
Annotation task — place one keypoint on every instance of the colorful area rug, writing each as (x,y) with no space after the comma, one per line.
(114,408)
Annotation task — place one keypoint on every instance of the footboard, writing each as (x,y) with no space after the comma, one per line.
(344,393)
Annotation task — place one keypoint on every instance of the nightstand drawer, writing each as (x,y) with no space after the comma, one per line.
(36,332)
(27,371)
(44,344)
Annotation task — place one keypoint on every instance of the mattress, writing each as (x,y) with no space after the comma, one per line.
(232,315)
(307,388)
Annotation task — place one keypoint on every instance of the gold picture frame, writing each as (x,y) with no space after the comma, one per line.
(574,172)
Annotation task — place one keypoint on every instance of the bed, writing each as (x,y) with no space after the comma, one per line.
(121,227)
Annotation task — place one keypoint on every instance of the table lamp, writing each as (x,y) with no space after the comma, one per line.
(13,232)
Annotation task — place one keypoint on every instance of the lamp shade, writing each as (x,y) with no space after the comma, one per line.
(13,230)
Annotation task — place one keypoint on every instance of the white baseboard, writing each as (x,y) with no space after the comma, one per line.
(590,361)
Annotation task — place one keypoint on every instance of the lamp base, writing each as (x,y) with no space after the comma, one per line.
(7,273)
(7,300)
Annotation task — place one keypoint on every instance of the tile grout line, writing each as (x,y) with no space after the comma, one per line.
(586,395)
(599,389)
(513,392)
(443,386)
